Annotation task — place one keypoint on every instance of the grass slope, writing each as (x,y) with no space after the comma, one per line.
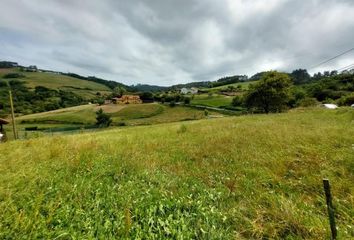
(214,100)
(249,177)
(244,86)
(140,114)
(86,89)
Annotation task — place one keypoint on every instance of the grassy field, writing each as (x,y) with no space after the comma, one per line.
(249,177)
(69,119)
(86,89)
(214,100)
(244,86)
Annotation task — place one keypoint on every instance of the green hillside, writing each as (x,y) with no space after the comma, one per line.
(249,177)
(83,88)
(76,118)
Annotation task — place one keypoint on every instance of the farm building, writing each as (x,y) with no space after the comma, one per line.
(127,99)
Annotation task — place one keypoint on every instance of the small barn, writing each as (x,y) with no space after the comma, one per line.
(127,99)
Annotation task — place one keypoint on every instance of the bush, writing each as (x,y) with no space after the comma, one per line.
(100,101)
(172,104)
(206,112)
(13,75)
(187,100)
(182,129)
(103,119)
(308,102)
(237,101)
(346,100)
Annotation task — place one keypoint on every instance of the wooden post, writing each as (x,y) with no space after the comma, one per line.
(332,222)
(13,116)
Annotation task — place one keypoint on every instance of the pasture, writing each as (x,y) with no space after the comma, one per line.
(83,88)
(80,117)
(248,177)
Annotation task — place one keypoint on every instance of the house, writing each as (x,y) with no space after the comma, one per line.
(31,68)
(330,106)
(192,90)
(184,91)
(127,99)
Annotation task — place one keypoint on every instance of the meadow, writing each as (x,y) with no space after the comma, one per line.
(211,100)
(83,88)
(248,177)
(244,86)
(77,118)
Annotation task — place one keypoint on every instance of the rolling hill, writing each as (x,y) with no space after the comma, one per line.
(83,88)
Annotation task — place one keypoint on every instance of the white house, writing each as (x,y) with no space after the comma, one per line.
(330,106)
(184,90)
(192,90)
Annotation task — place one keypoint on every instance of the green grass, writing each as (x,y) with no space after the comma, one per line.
(138,111)
(244,86)
(85,115)
(249,177)
(214,100)
(86,89)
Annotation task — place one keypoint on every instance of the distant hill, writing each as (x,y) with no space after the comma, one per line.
(35,90)
(147,88)
(211,84)
(55,81)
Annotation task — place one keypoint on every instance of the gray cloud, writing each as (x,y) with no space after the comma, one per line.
(167,42)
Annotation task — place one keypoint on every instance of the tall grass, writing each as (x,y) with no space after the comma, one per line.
(249,177)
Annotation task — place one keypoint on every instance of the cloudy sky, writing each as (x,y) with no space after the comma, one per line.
(166,42)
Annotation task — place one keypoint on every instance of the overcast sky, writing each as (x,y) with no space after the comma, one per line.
(166,42)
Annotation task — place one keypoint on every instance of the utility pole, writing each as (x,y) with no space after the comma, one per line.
(13,116)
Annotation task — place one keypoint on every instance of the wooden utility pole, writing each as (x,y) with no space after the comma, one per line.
(330,209)
(13,116)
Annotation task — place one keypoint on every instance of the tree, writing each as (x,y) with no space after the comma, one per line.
(270,94)
(119,91)
(147,97)
(300,76)
(237,101)
(102,119)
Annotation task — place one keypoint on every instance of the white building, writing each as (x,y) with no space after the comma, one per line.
(189,90)
(184,90)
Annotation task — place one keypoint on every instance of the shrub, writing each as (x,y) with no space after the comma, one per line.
(206,112)
(172,104)
(13,75)
(100,101)
(187,100)
(103,119)
(182,129)
(237,101)
(346,100)
(308,102)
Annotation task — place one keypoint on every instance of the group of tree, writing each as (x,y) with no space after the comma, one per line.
(276,91)
(40,99)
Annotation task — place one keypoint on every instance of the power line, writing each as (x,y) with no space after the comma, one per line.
(337,56)
(346,67)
